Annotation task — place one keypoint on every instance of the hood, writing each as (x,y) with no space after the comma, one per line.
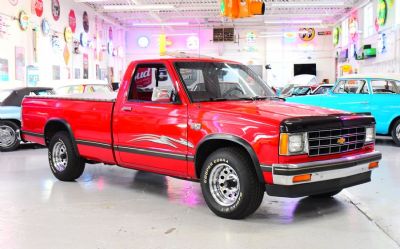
(275,110)
(10,112)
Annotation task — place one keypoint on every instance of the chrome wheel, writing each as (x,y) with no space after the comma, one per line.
(7,136)
(224,184)
(60,156)
(398,132)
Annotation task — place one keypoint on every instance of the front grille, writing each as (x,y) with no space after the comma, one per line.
(326,142)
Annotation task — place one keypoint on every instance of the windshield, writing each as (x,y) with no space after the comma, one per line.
(300,90)
(4,94)
(211,81)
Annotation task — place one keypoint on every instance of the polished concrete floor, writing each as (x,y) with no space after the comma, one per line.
(112,207)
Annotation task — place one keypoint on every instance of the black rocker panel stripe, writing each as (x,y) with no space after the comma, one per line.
(33,134)
(94,144)
(136,150)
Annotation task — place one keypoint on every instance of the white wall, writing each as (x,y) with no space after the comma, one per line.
(267,50)
(388,62)
(47,56)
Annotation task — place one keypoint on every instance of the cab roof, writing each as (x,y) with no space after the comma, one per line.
(389,76)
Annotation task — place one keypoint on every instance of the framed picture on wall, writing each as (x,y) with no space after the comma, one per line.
(56,72)
(19,63)
(4,70)
(77,73)
(85,66)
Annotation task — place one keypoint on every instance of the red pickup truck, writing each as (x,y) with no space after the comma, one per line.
(207,120)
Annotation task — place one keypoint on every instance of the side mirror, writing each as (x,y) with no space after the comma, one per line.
(162,95)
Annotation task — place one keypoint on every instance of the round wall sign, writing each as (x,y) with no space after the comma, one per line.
(23,20)
(382,12)
(38,7)
(85,22)
(307,34)
(336,36)
(72,20)
(143,42)
(13,2)
(68,35)
(192,42)
(55,9)
(84,40)
(45,27)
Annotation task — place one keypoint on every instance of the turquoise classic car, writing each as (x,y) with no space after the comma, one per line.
(375,94)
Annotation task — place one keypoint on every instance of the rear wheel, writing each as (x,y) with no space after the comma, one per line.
(9,137)
(230,185)
(396,132)
(65,163)
(327,195)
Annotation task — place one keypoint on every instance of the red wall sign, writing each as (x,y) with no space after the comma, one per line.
(55,9)
(72,20)
(38,7)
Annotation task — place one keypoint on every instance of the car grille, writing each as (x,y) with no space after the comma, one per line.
(326,142)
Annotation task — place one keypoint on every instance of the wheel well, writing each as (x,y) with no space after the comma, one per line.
(392,124)
(52,128)
(13,120)
(207,147)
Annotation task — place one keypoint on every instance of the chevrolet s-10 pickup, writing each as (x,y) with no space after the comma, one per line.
(207,120)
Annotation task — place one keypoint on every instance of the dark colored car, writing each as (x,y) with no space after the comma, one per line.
(10,114)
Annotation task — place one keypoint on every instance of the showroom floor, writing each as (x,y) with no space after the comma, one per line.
(112,207)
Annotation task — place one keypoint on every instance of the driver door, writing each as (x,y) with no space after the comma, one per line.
(152,133)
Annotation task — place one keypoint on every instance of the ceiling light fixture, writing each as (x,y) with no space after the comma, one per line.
(139,7)
(308,4)
(293,22)
(160,24)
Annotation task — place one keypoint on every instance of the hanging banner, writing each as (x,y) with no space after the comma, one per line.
(143,77)
(72,20)
(55,9)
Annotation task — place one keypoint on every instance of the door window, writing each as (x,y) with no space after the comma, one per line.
(385,86)
(152,83)
(351,87)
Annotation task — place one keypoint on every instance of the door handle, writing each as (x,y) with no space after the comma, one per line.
(126,108)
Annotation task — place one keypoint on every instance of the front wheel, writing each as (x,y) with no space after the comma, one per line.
(9,137)
(396,132)
(65,163)
(230,185)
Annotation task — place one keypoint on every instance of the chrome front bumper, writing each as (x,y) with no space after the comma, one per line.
(327,175)
(324,170)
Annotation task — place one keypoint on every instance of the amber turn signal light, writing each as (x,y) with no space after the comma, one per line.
(302,178)
(373,165)
(284,144)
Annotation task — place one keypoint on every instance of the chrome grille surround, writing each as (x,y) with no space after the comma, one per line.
(333,141)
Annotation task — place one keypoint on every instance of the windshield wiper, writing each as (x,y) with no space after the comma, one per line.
(218,99)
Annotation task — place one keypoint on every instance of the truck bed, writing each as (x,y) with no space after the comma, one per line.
(89,116)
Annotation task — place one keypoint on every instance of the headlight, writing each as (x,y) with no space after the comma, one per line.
(293,144)
(370,134)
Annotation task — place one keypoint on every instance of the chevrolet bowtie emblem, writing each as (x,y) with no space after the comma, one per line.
(341,140)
